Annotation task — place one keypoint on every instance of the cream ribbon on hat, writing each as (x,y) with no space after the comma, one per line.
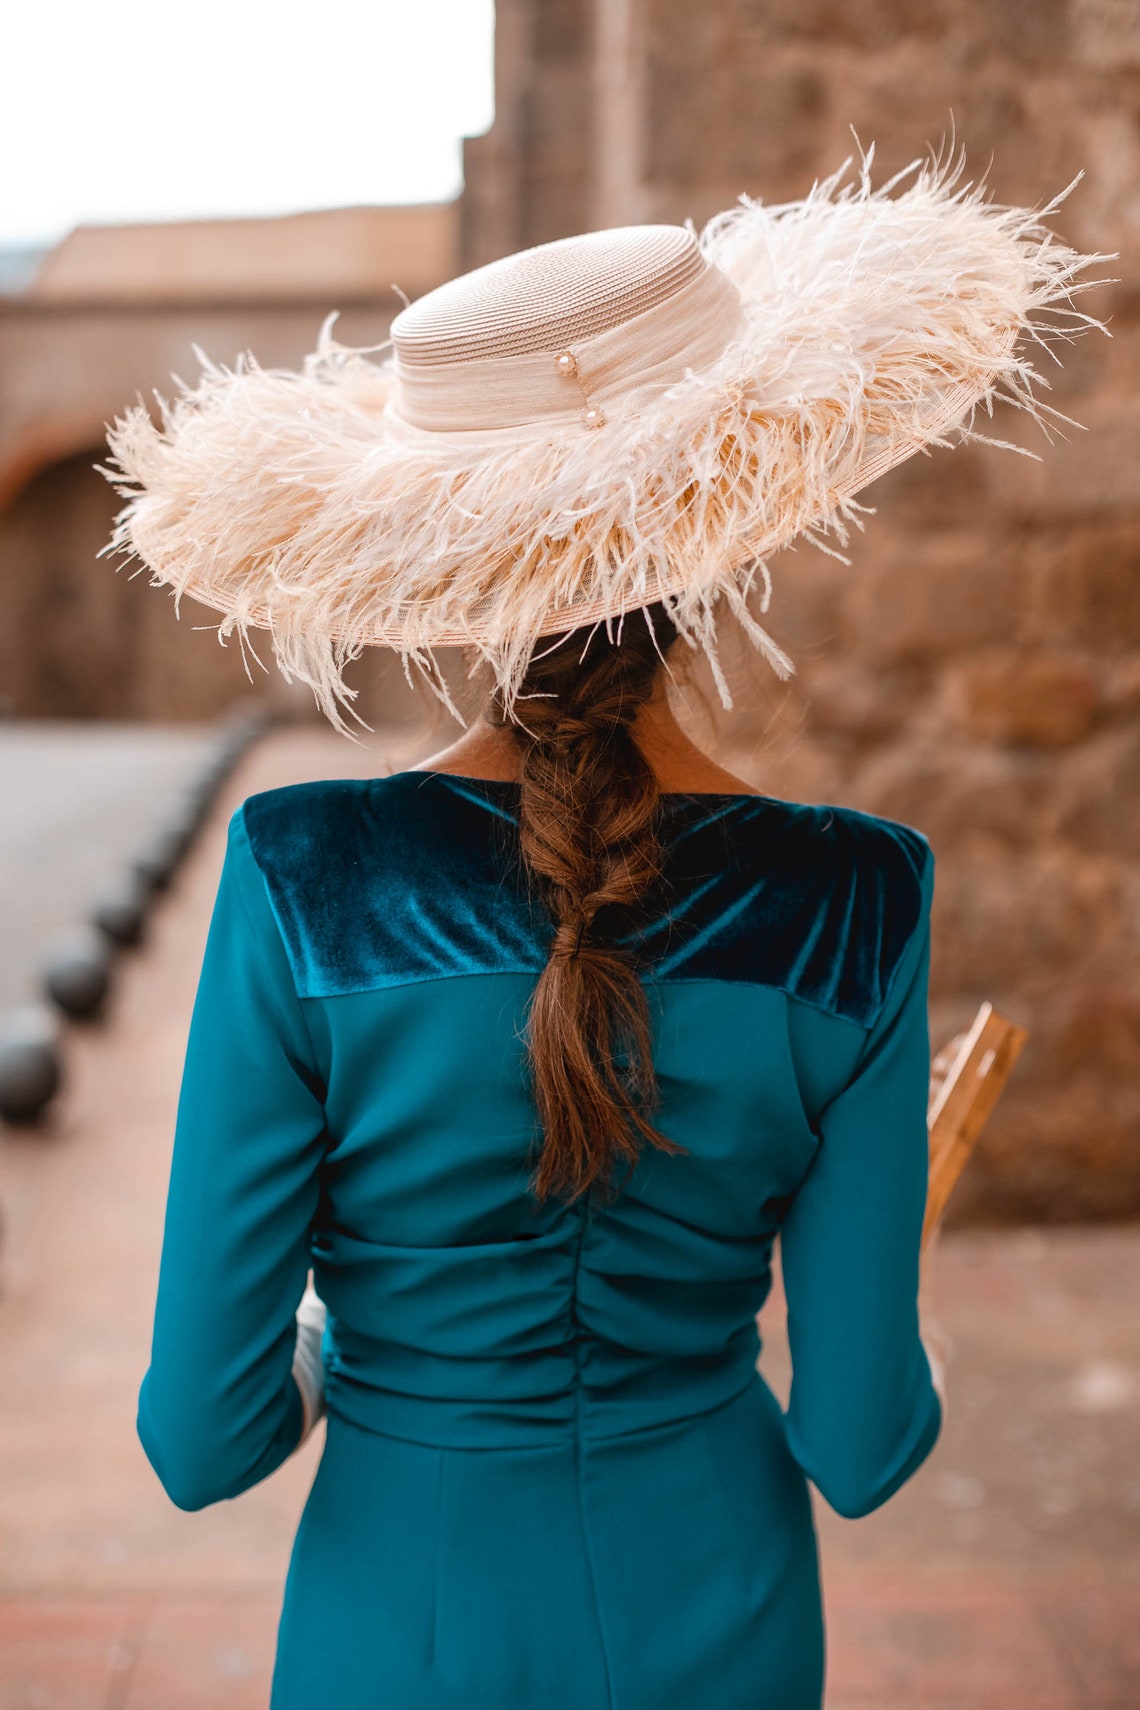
(579,383)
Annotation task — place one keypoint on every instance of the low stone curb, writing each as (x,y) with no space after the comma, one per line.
(77,966)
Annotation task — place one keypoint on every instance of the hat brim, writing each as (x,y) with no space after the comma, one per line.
(875,325)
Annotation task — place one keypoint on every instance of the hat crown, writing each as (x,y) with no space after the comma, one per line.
(548,297)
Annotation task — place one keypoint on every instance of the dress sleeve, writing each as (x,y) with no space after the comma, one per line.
(219,1408)
(864,1413)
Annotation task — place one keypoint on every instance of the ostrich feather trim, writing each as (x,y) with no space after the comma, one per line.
(875,324)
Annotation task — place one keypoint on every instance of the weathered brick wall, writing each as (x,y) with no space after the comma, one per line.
(976,671)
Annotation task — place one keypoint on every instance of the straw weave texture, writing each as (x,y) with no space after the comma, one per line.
(545,298)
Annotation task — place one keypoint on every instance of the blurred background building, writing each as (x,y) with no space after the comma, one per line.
(976,672)
(109,314)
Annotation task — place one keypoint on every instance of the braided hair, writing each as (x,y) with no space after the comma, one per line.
(589,835)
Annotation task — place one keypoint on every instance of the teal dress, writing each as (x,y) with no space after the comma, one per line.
(552,1477)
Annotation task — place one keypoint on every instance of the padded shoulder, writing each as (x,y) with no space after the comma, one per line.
(821,901)
(386,881)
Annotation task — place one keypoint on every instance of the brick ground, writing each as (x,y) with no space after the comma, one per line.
(1006,1576)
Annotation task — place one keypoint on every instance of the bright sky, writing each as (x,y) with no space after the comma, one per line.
(163,109)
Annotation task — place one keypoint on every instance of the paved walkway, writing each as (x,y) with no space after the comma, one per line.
(1005,1577)
(79,800)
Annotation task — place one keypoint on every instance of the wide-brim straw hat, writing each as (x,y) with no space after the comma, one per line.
(596,424)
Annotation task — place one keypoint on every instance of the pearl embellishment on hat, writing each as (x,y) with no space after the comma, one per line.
(567,365)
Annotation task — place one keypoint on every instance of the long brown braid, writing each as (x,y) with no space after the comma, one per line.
(588,824)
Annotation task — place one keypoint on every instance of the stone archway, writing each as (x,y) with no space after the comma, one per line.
(80,639)
(67,630)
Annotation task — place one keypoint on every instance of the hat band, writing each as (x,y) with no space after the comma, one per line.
(582,379)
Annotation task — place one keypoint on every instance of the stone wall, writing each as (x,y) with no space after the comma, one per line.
(113,312)
(77,638)
(976,670)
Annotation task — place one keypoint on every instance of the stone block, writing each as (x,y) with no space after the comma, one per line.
(1106,34)
(858,23)
(1024,33)
(705,61)
(1021,31)
(852,704)
(808,589)
(1062,1155)
(1099,1024)
(933,490)
(1097,796)
(952,790)
(1083,583)
(1088,473)
(1122,685)
(1040,700)
(922,598)
(562,30)
(1023,926)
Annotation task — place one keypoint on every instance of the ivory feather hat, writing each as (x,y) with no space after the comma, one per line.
(596,424)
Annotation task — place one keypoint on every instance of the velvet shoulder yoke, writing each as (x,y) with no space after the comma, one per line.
(389,881)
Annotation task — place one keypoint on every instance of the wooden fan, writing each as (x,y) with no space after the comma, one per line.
(967,1077)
